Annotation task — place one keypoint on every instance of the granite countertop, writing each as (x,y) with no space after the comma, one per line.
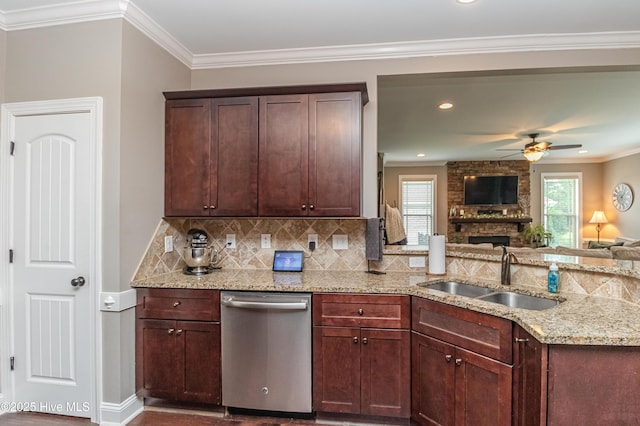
(578,320)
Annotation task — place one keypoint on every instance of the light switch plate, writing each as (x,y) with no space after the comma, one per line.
(417,262)
(340,242)
(168,244)
(265,241)
(231,241)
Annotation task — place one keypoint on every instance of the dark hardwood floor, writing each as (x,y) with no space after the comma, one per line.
(154,418)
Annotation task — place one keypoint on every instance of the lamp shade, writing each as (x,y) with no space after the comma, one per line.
(598,217)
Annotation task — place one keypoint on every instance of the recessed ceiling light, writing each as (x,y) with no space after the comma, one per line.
(420,155)
(465,1)
(445,105)
(582,151)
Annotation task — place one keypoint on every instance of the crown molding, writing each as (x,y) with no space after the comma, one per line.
(64,13)
(505,44)
(140,20)
(91,10)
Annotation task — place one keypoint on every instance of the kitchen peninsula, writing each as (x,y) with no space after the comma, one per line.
(582,330)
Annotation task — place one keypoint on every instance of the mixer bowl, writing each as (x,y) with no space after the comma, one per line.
(198,257)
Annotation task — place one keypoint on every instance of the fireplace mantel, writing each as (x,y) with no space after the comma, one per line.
(519,221)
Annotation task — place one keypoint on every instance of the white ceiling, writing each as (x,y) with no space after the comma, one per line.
(596,109)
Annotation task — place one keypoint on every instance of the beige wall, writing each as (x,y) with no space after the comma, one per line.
(591,192)
(627,223)
(368,70)
(3,62)
(391,189)
(112,60)
(147,71)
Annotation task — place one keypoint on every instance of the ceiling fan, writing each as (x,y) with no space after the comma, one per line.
(534,150)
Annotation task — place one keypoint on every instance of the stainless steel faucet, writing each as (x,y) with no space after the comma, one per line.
(507,259)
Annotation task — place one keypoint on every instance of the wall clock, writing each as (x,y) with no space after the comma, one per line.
(622,197)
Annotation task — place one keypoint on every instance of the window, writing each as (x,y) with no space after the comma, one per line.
(417,199)
(561,201)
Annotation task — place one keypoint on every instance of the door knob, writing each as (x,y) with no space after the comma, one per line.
(78,282)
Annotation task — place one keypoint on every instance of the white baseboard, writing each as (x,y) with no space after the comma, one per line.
(120,414)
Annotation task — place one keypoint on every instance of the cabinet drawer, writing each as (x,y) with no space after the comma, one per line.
(198,305)
(481,333)
(359,310)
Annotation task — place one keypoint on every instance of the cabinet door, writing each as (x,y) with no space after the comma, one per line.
(529,380)
(187,151)
(234,157)
(334,154)
(336,369)
(483,390)
(385,372)
(198,361)
(156,358)
(432,381)
(284,155)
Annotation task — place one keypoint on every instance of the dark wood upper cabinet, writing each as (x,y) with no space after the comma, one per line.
(334,154)
(290,151)
(234,157)
(187,153)
(211,157)
(283,158)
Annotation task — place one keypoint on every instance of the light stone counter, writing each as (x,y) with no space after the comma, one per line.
(578,320)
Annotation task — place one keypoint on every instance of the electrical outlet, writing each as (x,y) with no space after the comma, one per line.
(265,241)
(168,244)
(417,262)
(340,242)
(231,241)
(312,241)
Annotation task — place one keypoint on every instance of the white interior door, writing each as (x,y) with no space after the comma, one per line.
(53,345)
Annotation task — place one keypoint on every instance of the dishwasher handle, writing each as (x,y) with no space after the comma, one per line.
(245,304)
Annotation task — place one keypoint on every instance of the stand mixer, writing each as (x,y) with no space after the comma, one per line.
(200,257)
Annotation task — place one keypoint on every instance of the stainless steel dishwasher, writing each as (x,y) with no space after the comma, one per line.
(266,351)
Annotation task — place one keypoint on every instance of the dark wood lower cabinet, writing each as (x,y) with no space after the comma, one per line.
(178,345)
(361,371)
(454,386)
(529,380)
(593,385)
(180,360)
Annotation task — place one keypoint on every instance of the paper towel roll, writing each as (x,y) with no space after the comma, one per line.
(436,255)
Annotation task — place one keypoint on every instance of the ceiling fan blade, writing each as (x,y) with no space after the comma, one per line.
(565,146)
(509,155)
(543,146)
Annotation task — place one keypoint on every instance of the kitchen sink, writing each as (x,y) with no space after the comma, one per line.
(517,300)
(506,298)
(460,289)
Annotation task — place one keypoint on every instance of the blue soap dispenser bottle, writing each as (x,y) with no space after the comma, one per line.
(553,278)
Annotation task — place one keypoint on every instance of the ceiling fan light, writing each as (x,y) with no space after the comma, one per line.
(533,155)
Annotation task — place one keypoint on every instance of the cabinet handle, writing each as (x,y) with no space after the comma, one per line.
(171,330)
(311,206)
(176,304)
(355,340)
(304,207)
(458,361)
(205,207)
(179,331)
(364,341)
(212,207)
(518,340)
(360,311)
(448,358)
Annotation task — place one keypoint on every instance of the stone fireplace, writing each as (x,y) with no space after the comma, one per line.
(507,225)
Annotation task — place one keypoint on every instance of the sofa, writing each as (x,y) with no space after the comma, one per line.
(621,248)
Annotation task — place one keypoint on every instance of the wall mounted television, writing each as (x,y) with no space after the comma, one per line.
(490,190)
